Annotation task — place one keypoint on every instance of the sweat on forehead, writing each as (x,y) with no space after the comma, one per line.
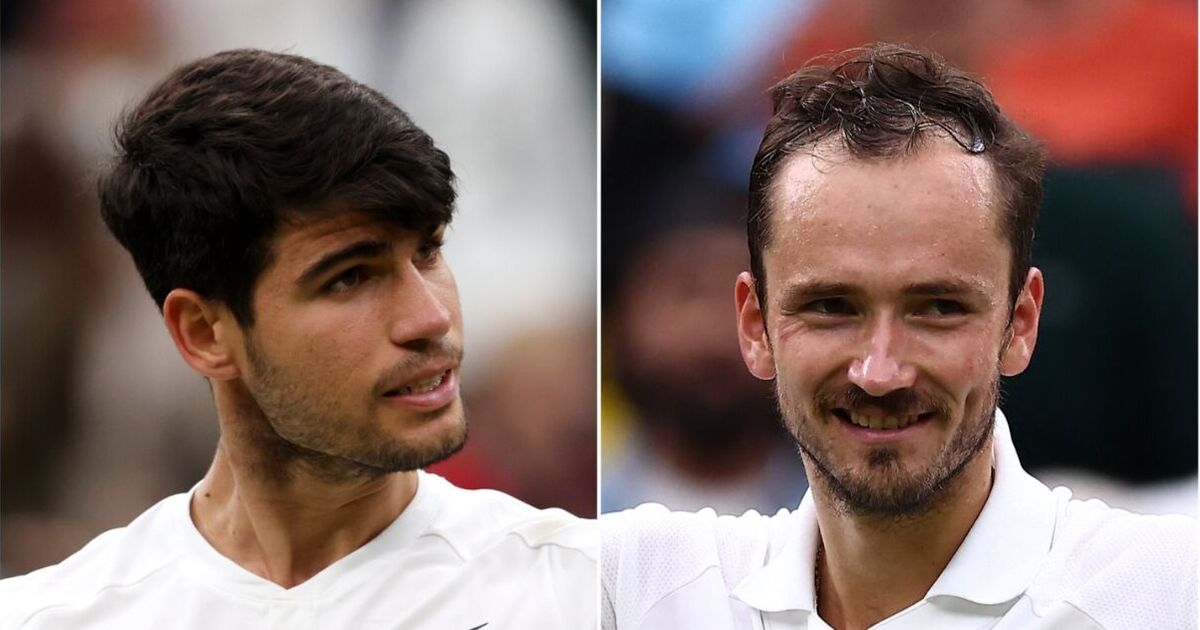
(887,102)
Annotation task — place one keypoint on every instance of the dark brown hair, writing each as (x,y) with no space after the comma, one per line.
(228,147)
(883,100)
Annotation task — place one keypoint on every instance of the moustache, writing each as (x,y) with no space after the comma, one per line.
(902,402)
(439,354)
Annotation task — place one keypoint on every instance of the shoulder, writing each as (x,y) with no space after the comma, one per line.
(542,555)
(650,552)
(1123,569)
(475,521)
(117,559)
(652,534)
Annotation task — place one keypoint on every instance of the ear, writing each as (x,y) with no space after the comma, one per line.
(752,329)
(203,332)
(1023,329)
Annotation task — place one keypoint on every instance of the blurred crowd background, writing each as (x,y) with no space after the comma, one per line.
(1108,406)
(100,418)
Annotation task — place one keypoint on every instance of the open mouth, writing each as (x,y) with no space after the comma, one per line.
(423,386)
(879,422)
(425,392)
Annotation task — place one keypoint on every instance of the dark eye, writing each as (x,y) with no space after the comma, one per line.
(429,251)
(830,306)
(941,308)
(347,280)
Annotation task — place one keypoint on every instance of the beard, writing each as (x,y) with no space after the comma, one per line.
(885,489)
(296,423)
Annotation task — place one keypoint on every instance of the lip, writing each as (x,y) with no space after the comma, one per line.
(445,393)
(883,436)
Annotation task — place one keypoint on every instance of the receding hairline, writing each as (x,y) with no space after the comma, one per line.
(832,152)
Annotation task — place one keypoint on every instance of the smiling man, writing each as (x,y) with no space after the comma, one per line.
(288,222)
(890,227)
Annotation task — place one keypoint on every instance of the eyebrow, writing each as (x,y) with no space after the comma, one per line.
(814,290)
(944,287)
(359,249)
(806,291)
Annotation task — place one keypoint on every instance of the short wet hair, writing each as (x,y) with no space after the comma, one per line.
(884,100)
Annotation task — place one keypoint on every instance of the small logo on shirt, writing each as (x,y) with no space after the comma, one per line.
(479,626)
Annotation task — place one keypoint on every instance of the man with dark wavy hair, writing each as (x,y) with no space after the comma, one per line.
(890,228)
(288,222)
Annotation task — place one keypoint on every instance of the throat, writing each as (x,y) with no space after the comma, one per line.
(849,598)
(288,534)
(868,569)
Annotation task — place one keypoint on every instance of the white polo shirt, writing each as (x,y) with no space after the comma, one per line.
(1034,558)
(454,560)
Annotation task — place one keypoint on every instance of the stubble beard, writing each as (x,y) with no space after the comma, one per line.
(886,490)
(294,429)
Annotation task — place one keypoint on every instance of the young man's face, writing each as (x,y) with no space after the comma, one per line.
(887,306)
(354,354)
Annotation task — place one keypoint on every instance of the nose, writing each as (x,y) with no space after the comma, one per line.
(881,369)
(423,309)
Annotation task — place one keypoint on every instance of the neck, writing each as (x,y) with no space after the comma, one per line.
(874,567)
(287,525)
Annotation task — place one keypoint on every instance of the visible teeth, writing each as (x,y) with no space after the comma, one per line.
(420,387)
(888,422)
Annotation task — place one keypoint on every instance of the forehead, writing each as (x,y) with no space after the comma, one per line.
(304,238)
(932,210)
(300,241)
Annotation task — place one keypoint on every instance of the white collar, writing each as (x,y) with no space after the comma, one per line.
(1011,538)
(416,518)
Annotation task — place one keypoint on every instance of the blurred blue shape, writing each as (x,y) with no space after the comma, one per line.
(665,51)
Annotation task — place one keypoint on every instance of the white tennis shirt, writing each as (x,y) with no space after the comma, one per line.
(1034,558)
(454,560)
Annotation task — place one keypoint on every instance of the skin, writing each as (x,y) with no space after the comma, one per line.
(315,456)
(887,288)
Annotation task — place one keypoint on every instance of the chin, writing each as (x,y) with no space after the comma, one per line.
(414,448)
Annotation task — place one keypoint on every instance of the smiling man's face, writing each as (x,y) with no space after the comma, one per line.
(886,326)
(353,359)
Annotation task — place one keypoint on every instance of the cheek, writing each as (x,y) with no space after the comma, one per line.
(963,366)
(806,363)
(326,346)
(805,357)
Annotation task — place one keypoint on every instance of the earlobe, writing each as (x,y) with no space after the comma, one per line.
(1016,354)
(752,329)
(198,329)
